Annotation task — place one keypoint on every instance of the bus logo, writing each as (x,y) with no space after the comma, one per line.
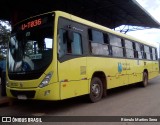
(6,119)
(120,67)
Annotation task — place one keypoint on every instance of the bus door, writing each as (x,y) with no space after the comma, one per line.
(72,70)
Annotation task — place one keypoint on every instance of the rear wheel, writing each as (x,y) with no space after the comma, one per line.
(96,90)
(144,83)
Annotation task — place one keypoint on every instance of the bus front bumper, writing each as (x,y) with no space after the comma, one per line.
(50,92)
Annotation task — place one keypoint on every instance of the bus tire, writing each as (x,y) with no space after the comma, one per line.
(144,83)
(96,89)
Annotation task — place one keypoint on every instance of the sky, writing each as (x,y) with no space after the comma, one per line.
(149,35)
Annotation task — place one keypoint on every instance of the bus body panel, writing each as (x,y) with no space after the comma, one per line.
(73,77)
(155,69)
(50,92)
(134,70)
(115,75)
(74,88)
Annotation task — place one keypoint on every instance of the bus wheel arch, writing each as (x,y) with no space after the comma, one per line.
(145,77)
(98,83)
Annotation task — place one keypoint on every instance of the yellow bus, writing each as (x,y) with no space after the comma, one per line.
(55,56)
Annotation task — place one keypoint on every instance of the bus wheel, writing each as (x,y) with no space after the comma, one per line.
(145,79)
(96,90)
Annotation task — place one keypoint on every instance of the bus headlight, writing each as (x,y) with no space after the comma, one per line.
(46,80)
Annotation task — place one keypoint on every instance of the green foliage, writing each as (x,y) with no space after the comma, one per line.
(4,37)
(4,31)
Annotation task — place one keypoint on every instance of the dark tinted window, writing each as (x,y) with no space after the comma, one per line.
(96,36)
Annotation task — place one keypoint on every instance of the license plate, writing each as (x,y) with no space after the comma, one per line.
(22,97)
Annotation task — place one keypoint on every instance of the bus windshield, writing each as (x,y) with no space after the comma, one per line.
(31,45)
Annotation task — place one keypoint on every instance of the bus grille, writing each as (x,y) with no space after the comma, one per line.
(29,94)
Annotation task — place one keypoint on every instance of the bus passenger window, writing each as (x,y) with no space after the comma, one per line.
(99,42)
(150,49)
(147,52)
(67,46)
(76,44)
(117,47)
(129,49)
(62,42)
(117,51)
(142,51)
(154,54)
(106,38)
(138,49)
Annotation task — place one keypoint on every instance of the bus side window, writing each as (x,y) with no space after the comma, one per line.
(106,41)
(69,43)
(76,45)
(116,45)
(154,57)
(106,38)
(142,51)
(156,54)
(147,52)
(138,49)
(62,42)
(98,42)
(123,45)
(151,55)
(135,51)
(129,49)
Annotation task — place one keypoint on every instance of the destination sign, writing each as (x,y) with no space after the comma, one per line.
(35,22)
(31,24)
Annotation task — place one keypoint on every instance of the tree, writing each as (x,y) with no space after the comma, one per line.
(4,37)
